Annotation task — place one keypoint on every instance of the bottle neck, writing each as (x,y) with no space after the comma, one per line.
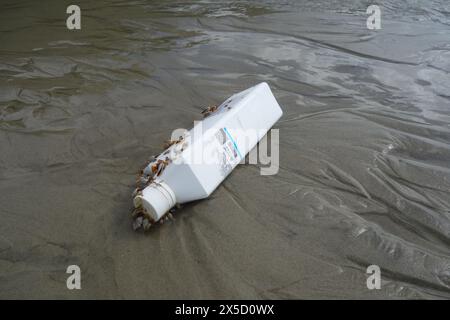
(156,199)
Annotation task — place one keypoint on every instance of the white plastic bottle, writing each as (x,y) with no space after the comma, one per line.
(192,168)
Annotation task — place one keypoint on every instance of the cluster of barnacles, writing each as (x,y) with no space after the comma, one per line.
(213,108)
(142,219)
(153,169)
(209,110)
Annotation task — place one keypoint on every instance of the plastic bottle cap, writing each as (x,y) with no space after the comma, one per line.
(156,199)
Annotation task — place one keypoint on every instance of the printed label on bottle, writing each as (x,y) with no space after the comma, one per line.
(229,151)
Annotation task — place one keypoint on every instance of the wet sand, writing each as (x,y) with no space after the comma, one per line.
(364,150)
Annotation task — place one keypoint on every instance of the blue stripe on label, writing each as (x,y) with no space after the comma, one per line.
(232,140)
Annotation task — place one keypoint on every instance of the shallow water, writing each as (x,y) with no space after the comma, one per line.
(364,149)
